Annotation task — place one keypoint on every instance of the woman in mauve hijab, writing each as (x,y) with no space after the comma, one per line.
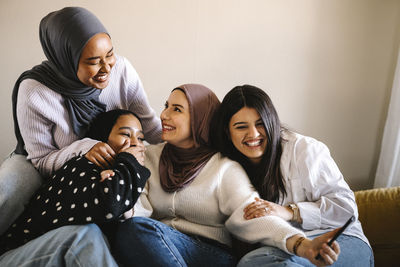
(55,101)
(194,199)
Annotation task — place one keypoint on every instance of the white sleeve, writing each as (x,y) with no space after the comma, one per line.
(329,200)
(235,193)
(139,104)
(38,111)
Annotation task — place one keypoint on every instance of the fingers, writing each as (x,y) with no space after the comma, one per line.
(137,152)
(335,246)
(328,255)
(101,154)
(106,174)
(256,210)
(125,146)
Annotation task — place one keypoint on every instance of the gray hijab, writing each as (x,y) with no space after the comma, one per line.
(63,35)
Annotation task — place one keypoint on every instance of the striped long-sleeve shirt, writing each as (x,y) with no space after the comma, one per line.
(46,128)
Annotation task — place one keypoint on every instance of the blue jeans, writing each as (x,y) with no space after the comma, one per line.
(353,252)
(73,245)
(19,180)
(146,242)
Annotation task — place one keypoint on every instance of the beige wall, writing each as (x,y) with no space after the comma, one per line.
(328,65)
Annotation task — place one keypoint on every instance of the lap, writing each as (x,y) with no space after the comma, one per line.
(354,252)
(74,245)
(169,247)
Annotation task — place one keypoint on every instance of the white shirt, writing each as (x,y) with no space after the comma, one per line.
(314,182)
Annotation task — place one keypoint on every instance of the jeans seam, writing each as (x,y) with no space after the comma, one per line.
(40,258)
(75,257)
(159,232)
(203,245)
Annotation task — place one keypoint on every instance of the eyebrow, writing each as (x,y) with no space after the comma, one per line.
(178,105)
(242,122)
(239,123)
(130,128)
(97,57)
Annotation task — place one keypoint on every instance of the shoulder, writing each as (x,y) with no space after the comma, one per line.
(297,144)
(123,66)
(305,156)
(33,95)
(224,162)
(232,179)
(153,153)
(31,88)
(225,167)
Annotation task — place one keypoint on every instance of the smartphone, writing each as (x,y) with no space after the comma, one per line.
(338,233)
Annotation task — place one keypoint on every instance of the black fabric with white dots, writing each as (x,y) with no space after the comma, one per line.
(75,195)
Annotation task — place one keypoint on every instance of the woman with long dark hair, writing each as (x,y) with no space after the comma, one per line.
(295,175)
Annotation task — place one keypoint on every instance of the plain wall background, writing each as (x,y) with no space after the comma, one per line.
(327,65)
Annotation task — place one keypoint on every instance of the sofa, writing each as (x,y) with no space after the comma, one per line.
(379,213)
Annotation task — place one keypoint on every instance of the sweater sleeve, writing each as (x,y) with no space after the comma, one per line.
(139,104)
(235,193)
(121,192)
(330,201)
(39,110)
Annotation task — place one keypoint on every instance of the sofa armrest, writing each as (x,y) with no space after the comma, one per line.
(379,213)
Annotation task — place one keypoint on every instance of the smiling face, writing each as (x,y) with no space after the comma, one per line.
(247,133)
(96,62)
(175,120)
(126,127)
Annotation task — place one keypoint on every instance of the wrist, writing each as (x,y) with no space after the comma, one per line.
(297,244)
(296,212)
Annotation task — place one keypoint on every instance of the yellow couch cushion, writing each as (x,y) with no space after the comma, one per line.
(379,211)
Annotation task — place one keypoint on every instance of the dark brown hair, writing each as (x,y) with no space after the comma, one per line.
(266,176)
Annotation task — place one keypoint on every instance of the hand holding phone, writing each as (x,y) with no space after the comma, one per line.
(338,233)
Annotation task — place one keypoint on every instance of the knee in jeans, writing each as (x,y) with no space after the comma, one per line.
(140,224)
(85,232)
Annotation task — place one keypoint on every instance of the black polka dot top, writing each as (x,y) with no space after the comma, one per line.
(75,195)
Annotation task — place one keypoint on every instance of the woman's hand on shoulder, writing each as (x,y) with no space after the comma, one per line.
(101,154)
(309,249)
(260,208)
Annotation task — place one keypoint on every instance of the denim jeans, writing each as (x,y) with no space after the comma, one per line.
(146,242)
(19,180)
(73,245)
(353,252)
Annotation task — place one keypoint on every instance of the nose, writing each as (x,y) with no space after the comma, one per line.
(164,114)
(253,132)
(134,141)
(105,66)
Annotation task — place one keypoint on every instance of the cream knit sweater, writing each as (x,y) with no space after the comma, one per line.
(212,205)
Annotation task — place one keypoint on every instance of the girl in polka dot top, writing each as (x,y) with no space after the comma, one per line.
(81,192)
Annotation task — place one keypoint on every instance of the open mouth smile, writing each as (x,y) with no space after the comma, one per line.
(253,143)
(167,128)
(101,78)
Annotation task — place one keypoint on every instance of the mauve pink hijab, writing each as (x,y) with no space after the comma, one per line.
(179,166)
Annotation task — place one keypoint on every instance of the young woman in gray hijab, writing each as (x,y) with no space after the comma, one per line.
(54,102)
